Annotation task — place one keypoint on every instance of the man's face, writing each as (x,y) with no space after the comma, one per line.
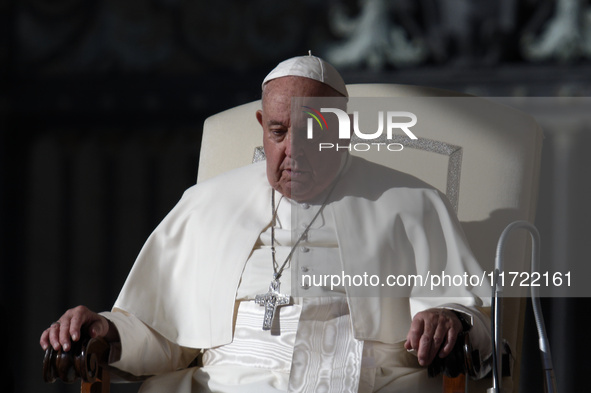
(297,171)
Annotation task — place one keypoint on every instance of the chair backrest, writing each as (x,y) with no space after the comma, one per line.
(483,155)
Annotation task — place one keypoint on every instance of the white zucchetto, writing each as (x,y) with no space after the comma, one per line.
(311,67)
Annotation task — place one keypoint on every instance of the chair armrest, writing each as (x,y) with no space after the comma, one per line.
(84,361)
(463,359)
(87,360)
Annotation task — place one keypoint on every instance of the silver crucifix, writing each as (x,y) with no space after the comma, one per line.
(271,300)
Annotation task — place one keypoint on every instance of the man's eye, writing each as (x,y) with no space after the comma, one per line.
(278,132)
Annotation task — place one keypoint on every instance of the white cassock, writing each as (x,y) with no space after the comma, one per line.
(193,285)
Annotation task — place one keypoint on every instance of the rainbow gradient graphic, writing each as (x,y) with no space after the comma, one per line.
(317,116)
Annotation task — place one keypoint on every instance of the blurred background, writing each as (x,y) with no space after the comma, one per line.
(102,105)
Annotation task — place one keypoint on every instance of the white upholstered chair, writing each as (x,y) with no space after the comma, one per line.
(483,155)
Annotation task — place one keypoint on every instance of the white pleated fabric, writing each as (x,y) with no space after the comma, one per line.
(326,356)
(254,347)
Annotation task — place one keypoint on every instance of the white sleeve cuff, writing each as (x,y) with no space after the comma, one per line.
(143,350)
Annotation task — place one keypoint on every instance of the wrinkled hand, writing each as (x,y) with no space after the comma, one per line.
(429,330)
(69,327)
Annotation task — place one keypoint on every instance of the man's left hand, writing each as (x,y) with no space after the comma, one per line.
(429,330)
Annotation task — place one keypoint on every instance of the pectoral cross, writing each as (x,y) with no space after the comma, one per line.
(271,300)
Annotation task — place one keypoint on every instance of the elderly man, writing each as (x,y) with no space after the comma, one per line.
(197,290)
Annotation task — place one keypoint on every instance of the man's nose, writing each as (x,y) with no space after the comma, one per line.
(294,149)
(288,144)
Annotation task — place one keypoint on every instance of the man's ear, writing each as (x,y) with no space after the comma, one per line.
(259,115)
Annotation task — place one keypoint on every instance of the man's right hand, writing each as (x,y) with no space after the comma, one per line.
(68,328)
